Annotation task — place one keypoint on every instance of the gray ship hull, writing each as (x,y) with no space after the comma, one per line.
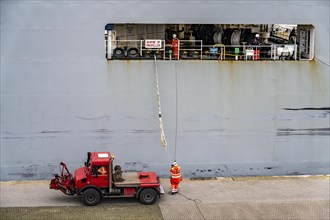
(61,98)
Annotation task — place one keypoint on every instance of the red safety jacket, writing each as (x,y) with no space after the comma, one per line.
(175,42)
(175,48)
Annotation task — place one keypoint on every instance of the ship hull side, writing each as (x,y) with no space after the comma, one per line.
(60,97)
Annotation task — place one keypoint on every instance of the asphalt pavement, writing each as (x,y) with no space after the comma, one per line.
(299,197)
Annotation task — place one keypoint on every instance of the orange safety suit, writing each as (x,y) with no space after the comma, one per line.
(176,178)
(175,48)
(102,171)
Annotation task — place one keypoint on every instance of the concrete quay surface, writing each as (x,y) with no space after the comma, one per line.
(299,197)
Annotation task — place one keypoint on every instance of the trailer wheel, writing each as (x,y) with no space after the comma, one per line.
(148,196)
(118,53)
(133,52)
(91,197)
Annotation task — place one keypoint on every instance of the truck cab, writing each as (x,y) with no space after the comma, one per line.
(95,181)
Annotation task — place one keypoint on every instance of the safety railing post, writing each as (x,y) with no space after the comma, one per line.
(201,53)
(179,50)
(164,53)
(224,52)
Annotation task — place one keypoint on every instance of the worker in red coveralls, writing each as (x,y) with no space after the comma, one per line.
(175,47)
(176,177)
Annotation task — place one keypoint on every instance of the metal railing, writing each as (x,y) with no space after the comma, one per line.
(194,49)
(191,49)
(135,49)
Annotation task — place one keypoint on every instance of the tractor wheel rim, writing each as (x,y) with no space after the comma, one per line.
(90,198)
(148,197)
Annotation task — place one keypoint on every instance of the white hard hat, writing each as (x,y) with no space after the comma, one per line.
(174,35)
(175,163)
(257,35)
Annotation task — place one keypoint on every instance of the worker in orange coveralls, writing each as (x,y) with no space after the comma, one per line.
(176,177)
(102,171)
(175,47)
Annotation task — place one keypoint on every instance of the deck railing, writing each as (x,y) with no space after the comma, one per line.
(194,49)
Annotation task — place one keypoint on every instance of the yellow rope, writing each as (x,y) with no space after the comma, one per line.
(161,127)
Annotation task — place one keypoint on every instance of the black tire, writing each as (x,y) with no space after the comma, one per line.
(133,52)
(118,53)
(235,37)
(184,54)
(148,196)
(91,197)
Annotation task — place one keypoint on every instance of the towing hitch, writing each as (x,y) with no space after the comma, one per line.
(64,181)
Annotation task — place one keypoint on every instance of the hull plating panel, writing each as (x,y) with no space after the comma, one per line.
(221,118)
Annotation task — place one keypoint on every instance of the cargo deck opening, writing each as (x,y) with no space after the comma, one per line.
(210,41)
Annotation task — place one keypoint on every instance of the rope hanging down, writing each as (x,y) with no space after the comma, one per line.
(161,127)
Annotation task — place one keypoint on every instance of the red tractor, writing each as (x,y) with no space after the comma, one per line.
(97,180)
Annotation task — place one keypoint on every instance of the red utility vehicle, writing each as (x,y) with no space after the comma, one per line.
(92,187)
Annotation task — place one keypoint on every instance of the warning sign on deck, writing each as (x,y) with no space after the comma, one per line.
(153,44)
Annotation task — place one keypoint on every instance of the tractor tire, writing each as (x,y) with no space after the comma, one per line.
(148,196)
(91,197)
